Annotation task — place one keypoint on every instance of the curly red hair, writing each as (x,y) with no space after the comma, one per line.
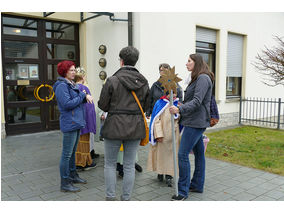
(63,67)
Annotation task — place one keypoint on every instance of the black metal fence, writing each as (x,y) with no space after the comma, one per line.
(262,112)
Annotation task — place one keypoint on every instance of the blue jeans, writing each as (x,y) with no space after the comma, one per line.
(191,140)
(112,147)
(67,162)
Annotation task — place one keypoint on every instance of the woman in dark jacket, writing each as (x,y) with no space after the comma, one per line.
(194,118)
(157,91)
(124,123)
(70,102)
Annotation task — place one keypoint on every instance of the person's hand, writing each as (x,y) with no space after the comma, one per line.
(174,110)
(160,140)
(103,117)
(179,103)
(89,99)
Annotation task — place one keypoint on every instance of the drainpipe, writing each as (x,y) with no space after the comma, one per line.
(130,29)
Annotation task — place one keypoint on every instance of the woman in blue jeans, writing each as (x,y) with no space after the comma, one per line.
(70,102)
(194,117)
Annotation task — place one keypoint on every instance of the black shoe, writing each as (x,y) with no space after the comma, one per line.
(121,174)
(101,138)
(195,190)
(160,177)
(80,168)
(119,168)
(169,180)
(67,186)
(94,155)
(138,167)
(92,166)
(74,177)
(178,198)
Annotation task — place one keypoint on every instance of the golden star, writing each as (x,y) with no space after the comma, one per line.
(169,80)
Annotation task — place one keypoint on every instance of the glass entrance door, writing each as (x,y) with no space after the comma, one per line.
(31,49)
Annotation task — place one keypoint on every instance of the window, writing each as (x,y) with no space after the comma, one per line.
(206,47)
(234,65)
(19,26)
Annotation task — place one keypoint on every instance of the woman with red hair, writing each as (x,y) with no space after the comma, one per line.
(70,102)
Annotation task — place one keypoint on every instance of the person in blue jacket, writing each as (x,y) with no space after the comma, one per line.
(70,102)
(194,118)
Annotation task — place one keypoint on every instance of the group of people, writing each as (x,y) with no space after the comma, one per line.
(124,124)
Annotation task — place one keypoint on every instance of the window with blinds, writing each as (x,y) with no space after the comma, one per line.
(234,64)
(206,35)
(206,47)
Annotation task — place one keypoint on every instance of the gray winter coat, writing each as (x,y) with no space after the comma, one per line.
(124,120)
(197,97)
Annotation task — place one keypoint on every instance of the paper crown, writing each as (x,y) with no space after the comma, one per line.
(80,71)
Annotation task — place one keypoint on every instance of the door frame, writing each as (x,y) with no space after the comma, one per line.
(45,123)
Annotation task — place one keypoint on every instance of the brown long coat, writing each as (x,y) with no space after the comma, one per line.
(160,157)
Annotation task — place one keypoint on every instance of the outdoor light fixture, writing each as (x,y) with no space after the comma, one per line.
(103,75)
(102,49)
(102,62)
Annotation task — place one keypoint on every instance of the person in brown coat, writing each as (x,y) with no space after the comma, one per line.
(124,123)
(160,156)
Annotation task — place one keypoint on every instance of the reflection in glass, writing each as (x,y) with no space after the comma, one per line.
(21,71)
(19,31)
(20,22)
(233,87)
(19,26)
(61,51)
(54,113)
(18,115)
(59,30)
(21,93)
(20,49)
(208,58)
(52,73)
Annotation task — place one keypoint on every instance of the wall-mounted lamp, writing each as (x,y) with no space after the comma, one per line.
(102,62)
(103,75)
(102,49)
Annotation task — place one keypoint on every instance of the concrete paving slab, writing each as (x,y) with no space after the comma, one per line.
(30,172)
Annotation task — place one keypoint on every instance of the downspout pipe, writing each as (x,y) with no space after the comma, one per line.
(130,29)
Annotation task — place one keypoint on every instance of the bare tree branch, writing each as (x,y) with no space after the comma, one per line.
(271,63)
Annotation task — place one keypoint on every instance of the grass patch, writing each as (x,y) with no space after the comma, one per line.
(249,146)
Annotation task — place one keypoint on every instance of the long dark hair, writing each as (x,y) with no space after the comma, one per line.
(200,67)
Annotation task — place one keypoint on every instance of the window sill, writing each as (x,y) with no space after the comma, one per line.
(232,99)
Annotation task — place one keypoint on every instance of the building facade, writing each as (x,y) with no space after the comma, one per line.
(33,43)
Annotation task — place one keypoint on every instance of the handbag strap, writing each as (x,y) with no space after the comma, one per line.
(138,102)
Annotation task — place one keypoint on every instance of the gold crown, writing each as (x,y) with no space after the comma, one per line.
(80,71)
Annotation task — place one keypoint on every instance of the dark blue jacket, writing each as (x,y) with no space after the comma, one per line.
(196,105)
(69,100)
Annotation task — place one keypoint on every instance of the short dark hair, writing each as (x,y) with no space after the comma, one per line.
(129,55)
(165,66)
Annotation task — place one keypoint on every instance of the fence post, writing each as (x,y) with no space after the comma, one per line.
(279,112)
(240,111)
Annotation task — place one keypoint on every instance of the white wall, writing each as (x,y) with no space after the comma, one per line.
(170,37)
(114,35)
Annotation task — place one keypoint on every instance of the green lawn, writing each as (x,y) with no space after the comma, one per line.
(249,146)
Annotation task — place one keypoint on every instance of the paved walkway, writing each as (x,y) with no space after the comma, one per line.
(30,171)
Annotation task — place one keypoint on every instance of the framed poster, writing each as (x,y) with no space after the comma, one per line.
(33,71)
(23,71)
